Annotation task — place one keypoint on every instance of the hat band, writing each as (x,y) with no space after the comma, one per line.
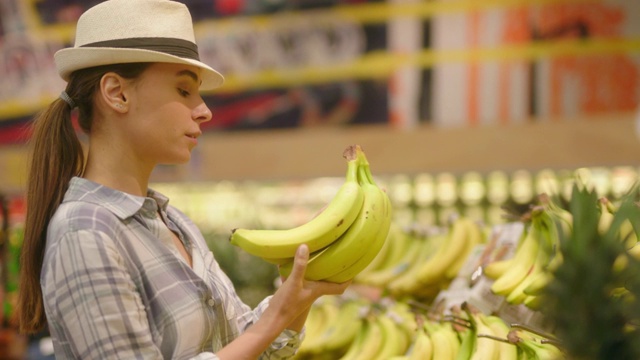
(171,46)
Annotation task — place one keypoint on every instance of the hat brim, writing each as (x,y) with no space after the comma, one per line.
(72,59)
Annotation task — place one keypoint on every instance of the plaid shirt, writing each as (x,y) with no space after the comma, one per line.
(115,286)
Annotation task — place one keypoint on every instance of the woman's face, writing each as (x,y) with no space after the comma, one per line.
(166,110)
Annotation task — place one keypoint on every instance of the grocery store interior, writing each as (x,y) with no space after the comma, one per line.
(464,109)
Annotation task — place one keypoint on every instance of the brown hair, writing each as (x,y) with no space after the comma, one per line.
(56,157)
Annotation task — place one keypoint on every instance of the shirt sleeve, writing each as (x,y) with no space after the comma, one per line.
(286,344)
(92,305)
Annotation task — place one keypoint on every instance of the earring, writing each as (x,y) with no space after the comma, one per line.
(119,105)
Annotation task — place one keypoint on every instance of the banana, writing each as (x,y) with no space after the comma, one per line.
(372,342)
(353,350)
(384,276)
(606,217)
(506,351)
(317,233)
(475,236)
(342,332)
(486,348)
(404,317)
(497,268)
(394,243)
(548,240)
(329,312)
(452,337)
(395,341)
(370,253)
(422,348)
(442,346)
(524,259)
(538,283)
(532,347)
(468,343)
(348,249)
(314,326)
(461,240)
(407,282)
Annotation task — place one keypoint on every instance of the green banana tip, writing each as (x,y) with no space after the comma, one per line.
(233,231)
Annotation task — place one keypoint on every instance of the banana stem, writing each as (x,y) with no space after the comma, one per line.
(534,331)
(351,152)
(555,343)
(493,337)
(457,320)
(419,305)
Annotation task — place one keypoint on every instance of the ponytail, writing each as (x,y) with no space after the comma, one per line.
(56,157)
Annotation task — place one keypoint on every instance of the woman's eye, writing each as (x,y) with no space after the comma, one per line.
(183,92)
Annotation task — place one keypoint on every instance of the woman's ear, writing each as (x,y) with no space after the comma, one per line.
(113,89)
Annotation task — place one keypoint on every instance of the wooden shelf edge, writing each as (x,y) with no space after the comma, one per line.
(292,154)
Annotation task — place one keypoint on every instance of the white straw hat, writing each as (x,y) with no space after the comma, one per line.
(128,31)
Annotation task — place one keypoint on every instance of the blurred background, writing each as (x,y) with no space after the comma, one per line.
(462,106)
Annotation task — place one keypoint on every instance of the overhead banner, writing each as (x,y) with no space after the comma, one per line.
(334,63)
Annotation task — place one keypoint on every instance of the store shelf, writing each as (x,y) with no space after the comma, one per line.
(607,140)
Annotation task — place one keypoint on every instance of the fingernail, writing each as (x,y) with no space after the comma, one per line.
(302,250)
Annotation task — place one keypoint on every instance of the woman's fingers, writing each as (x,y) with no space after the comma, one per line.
(300,263)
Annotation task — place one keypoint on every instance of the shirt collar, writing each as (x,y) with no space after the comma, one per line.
(121,204)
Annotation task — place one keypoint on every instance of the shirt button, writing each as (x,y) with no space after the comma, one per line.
(211,302)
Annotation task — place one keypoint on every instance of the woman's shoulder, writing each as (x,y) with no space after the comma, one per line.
(80,215)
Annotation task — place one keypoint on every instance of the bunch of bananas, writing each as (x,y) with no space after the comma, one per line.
(340,327)
(352,328)
(421,265)
(533,346)
(521,278)
(342,239)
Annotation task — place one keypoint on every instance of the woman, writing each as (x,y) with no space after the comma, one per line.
(112,269)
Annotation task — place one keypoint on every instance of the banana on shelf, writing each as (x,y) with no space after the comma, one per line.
(533,346)
(422,265)
(343,239)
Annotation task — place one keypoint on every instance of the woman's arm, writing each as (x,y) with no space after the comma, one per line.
(288,309)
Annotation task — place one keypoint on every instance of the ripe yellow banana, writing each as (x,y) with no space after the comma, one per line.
(353,351)
(350,247)
(606,217)
(442,345)
(524,259)
(314,326)
(538,283)
(329,312)
(486,348)
(371,251)
(395,341)
(495,269)
(506,351)
(422,348)
(458,244)
(532,347)
(534,302)
(372,342)
(548,244)
(475,236)
(407,282)
(344,329)
(384,276)
(392,251)
(317,233)
(517,295)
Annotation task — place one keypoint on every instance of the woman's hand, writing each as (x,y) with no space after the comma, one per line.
(288,309)
(295,296)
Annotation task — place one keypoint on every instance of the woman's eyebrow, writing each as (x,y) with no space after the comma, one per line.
(190,74)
